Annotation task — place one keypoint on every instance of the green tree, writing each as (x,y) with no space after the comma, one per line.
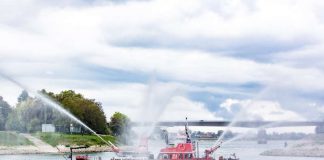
(87,110)
(18,118)
(29,115)
(23,96)
(119,124)
(5,110)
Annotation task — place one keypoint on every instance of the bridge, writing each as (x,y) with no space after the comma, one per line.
(261,125)
(246,124)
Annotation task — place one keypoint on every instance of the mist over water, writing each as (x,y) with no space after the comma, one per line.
(250,132)
(155,101)
(242,114)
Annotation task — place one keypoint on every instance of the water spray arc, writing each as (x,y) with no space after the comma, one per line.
(273,124)
(155,101)
(56,106)
(240,114)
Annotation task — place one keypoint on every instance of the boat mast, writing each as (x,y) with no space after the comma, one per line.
(186,127)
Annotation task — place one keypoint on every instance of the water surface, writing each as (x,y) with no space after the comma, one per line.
(245,150)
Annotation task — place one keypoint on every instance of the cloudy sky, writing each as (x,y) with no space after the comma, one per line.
(205,59)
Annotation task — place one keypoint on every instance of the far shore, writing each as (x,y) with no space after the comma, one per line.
(312,147)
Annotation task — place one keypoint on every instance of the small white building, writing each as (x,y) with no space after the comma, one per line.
(48,128)
(75,129)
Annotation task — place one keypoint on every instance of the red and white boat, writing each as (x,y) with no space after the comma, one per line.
(187,151)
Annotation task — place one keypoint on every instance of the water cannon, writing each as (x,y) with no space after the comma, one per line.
(213,149)
(113,147)
(74,148)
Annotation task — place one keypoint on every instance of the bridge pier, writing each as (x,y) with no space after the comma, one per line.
(262,136)
(319,129)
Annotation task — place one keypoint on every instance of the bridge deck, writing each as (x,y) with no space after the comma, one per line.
(247,124)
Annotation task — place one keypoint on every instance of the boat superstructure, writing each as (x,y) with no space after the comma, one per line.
(186,151)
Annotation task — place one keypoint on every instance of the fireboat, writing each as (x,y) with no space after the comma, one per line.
(187,151)
(182,151)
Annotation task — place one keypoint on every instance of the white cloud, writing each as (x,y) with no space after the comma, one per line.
(9,92)
(212,68)
(178,65)
(228,104)
(183,41)
(155,100)
(181,107)
(259,110)
(318,107)
(228,22)
(74,32)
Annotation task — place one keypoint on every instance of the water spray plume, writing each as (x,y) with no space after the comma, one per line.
(54,105)
(155,103)
(250,130)
(239,115)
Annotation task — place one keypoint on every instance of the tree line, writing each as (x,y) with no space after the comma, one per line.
(30,113)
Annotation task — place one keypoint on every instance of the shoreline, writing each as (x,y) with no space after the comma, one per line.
(303,149)
(30,149)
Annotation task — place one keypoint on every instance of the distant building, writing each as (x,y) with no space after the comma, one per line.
(204,135)
(68,128)
(48,128)
(62,128)
(319,130)
(219,133)
(75,129)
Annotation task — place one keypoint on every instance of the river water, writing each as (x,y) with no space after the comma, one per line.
(245,150)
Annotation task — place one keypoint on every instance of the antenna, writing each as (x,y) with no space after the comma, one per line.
(186,127)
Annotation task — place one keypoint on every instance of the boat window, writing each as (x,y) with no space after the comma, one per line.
(180,156)
(163,156)
(188,156)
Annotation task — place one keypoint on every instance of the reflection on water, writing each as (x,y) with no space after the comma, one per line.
(246,150)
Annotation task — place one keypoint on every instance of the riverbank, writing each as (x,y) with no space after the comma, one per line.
(19,150)
(51,143)
(310,147)
(56,139)
(13,139)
